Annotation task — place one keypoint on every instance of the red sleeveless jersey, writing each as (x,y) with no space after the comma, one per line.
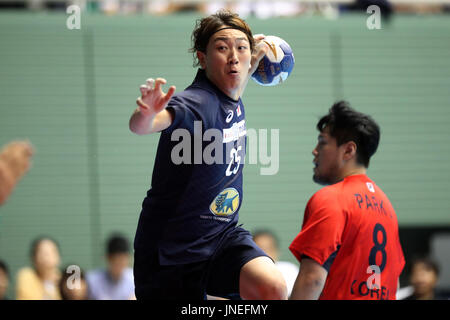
(351,229)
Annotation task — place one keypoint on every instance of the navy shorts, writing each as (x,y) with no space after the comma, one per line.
(218,276)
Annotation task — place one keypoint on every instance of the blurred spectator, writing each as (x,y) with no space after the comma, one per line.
(424,278)
(40,282)
(15,160)
(73,286)
(419,8)
(268,242)
(116,282)
(385,6)
(158,7)
(4,280)
(15,5)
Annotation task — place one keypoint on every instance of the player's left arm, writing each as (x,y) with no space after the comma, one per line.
(310,281)
(261,49)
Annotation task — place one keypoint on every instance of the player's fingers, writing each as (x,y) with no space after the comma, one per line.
(159,82)
(141,104)
(150,83)
(28,148)
(144,89)
(169,94)
(260,51)
(259,36)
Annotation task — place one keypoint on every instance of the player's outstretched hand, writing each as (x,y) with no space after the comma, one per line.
(261,49)
(17,156)
(153,99)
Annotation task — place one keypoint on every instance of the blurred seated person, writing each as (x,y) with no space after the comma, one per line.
(4,280)
(385,6)
(73,285)
(15,160)
(116,282)
(424,278)
(40,282)
(268,242)
(420,8)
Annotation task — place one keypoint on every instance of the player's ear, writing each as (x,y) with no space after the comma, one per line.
(201,56)
(350,150)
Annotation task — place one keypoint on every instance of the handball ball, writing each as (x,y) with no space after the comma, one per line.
(276,65)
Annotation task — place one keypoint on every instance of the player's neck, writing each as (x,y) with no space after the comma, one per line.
(353,171)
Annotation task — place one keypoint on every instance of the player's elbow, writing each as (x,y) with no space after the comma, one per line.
(274,290)
(135,128)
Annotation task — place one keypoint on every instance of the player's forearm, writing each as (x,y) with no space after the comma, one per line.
(145,124)
(141,124)
(307,287)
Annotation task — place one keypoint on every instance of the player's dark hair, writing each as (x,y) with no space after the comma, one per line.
(266,232)
(4,267)
(345,124)
(117,243)
(206,27)
(37,241)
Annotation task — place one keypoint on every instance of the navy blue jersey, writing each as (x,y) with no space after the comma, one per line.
(196,189)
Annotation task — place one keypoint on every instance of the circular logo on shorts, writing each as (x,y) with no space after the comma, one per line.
(226,203)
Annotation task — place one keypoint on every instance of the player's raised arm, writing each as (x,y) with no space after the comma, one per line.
(260,50)
(150,115)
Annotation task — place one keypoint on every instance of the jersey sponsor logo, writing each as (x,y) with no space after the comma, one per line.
(370,187)
(236,131)
(229,116)
(226,203)
(238,110)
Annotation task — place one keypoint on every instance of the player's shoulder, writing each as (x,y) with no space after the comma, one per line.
(202,103)
(195,96)
(193,105)
(327,193)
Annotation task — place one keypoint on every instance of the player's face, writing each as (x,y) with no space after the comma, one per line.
(327,159)
(227,60)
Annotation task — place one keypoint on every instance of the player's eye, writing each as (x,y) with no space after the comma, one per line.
(242,48)
(221,48)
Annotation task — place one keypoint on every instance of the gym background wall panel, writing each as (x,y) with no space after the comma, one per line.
(44,99)
(71,92)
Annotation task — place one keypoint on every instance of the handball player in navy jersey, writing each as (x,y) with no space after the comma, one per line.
(188,243)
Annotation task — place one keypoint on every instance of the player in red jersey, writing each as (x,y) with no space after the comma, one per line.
(349,246)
